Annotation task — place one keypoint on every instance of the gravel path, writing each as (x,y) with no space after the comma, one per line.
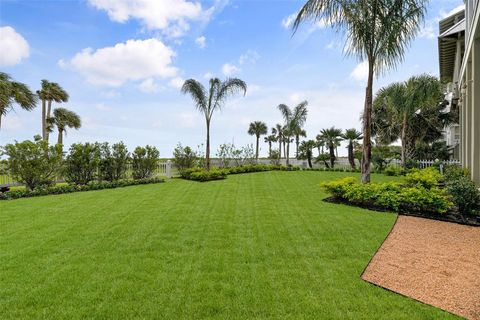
(435,262)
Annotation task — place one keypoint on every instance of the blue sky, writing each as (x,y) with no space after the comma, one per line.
(123,62)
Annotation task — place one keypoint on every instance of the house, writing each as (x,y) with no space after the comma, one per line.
(459,56)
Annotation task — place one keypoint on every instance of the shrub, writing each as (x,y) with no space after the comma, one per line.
(34,163)
(274,157)
(202,175)
(184,157)
(453,172)
(427,178)
(113,162)
(75,188)
(144,162)
(464,193)
(392,170)
(81,164)
(422,199)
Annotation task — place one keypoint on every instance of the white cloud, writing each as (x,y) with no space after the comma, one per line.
(111,94)
(229,69)
(288,21)
(103,107)
(201,42)
(360,73)
(251,56)
(208,75)
(170,16)
(149,86)
(130,61)
(13,47)
(177,82)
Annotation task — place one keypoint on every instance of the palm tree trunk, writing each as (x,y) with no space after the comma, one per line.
(367,125)
(279,148)
(288,152)
(284,150)
(49,111)
(60,137)
(351,159)
(207,147)
(404,140)
(256,153)
(269,149)
(309,158)
(332,156)
(297,141)
(44,123)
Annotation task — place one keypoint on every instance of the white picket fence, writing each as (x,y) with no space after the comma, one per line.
(164,169)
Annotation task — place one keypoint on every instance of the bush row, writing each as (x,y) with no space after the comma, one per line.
(200,174)
(69,188)
(419,193)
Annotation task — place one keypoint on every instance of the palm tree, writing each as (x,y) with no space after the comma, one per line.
(257,128)
(377,32)
(51,91)
(63,119)
(400,110)
(320,143)
(294,119)
(214,99)
(11,93)
(332,137)
(270,139)
(306,151)
(299,132)
(277,131)
(352,136)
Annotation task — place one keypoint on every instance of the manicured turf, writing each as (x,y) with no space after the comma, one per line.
(259,245)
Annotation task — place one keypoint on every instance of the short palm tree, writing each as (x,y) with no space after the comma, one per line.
(51,91)
(294,119)
(352,136)
(277,131)
(11,93)
(305,151)
(320,143)
(63,119)
(397,107)
(270,139)
(213,99)
(257,129)
(377,32)
(332,137)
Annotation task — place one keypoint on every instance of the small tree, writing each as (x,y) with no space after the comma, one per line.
(225,154)
(275,157)
(144,162)
(81,164)
(305,151)
(34,163)
(184,157)
(113,161)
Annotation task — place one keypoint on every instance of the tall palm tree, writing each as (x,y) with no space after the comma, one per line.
(299,132)
(377,32)
(277,131)
(50,91)
(257,129)
(11,93)
(352,136)
(270,139)
(63,119)
(214,99)
(294,119)
(400,110)
(332,137)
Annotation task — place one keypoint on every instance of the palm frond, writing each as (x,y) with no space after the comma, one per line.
(198,94)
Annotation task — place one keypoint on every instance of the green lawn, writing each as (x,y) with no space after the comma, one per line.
(259,245)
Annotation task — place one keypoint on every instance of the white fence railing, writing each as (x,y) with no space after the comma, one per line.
(164,169)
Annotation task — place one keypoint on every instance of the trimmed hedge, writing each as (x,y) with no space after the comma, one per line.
(420,193)
(69,188)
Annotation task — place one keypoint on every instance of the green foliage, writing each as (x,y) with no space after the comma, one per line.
(383,155)
(184,157)
(462,189)
(426,178)
(113,162)
(93,185)
(392,170)
(81,164)
(144,162)
(419,194)
(274,157)
(33,163)
(202,175)
(453,172)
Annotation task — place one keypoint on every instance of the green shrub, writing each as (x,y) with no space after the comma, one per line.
(144,162)
(421,199)
(392,170)
(81,164)
(34,163)
(202,175)
(453,172)
(464,193)
(69,188)
(113,162)
(184,157)
(427,178)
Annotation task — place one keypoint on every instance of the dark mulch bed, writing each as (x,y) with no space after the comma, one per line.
(452,216)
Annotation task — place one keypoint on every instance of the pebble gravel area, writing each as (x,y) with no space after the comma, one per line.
(434,262)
